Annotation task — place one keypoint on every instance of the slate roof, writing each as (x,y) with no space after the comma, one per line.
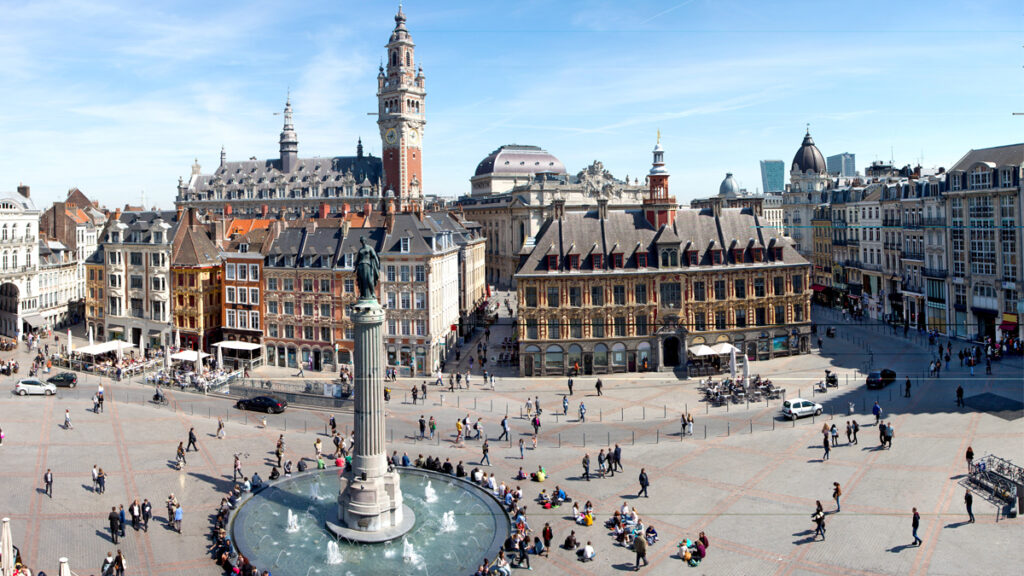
(1009,155)
(195,249)
(628,232)
(263,174)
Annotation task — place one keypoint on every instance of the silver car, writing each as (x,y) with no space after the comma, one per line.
(798,407)
(27,386)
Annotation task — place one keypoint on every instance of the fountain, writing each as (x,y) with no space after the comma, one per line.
(377,504)
(293,522)
(448,522)
(431,493)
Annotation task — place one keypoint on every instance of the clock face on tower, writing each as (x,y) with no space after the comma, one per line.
(391,136)
(413,136)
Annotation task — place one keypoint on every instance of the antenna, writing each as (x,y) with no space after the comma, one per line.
(142,196)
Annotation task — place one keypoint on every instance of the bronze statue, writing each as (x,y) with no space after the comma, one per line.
(367,271)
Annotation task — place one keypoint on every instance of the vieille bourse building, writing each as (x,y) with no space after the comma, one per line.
(635,290)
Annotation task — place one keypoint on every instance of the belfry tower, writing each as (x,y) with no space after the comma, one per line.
(659,207)
(401,116)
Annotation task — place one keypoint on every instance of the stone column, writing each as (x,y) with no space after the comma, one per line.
(369,455)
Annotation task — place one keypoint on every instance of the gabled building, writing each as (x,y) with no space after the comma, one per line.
(19,260)
(196,290)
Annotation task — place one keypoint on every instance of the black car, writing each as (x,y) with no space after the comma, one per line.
(881,379)
(262,404)
(64,380)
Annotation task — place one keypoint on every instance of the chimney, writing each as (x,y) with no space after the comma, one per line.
(345,209)
(24,190)
(559,209)
(117,213)
(324,210)
(264,210)
(602,208)
(228,210)
(367,209)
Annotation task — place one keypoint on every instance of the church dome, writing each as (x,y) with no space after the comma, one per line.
(729,188)
(808,158)
(513,159)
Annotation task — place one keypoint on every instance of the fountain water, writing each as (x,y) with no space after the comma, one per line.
(430,493)
(293,522)
(448,522)
(409,553)
(333,554)
(314,491)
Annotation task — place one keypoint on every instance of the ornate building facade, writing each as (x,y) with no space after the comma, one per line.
(19,264)
(631,290)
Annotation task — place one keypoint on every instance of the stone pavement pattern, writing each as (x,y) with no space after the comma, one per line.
(752,492)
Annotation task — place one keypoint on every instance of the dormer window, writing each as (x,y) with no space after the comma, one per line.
(405,245)
(243,248)
(758,254)
(158,237)
(552,261)
(716,256)
(694,257)
(641,259)
(669,259)
(573,261)
(737,255)
(597,261)
(777,252)
(115,237)
(617,260)
(350,260)
(307,261)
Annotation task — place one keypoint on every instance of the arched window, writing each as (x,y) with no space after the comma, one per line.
(408,59)
(394,58)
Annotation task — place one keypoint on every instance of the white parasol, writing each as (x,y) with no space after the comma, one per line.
(70,345)
(220,358)
(142,347)
(90,335)
(64,569)
(732,364)
(177,338)
(6,549)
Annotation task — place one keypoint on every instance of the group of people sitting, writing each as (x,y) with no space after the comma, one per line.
(693,551)
(627,526)
(584,516)
(221,548)
(554,500)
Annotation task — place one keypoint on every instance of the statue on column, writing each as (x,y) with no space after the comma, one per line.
(367,271)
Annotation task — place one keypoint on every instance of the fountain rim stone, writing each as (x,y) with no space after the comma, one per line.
(495,506)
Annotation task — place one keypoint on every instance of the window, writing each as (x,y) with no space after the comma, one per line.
(421,300)
(671,294)
(307,284)
(641,259)
(135,258)
(391,273)
(114,306)
(758,287)
(242,296)
(669,258)
(780,314)
(720,320)
(272,284)
(421,327)
(392,300)
(158,283)
(716,256)
(289,331)
(552,296)
(597,261)
(289,285)
(403,273)
(230,315)
(620,325)
(307,332)
(740,287)
(694,258)
(158,259)
(640,293)
(597,328)
(575,296)
(243,320)
(405,245)
(596,296)
(254,272)
(241,272)
(699,323)
(720,290)
(272,307)
(350,286)
(325,310)
(229,271)
(779,285)
(254,295)
(406,300)
(798,283)
(307,308)
(1010,298)
(641,325)
(273,330)
(573,261)
(392,326)
(135,282)
(531,297)
(759,316)
(229,294)
(325,285)
(619,295)
(531,328)
(552,261)
(575,329)
(979,178)
(617,260)
(325,334)
(741,318)
(554,332)
(420,273)
(798,313)
(289,308)
(699,293)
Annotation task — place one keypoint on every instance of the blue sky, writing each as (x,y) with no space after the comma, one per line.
(119,97)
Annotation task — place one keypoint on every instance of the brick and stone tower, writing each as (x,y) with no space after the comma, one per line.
(659,207)
(401,116)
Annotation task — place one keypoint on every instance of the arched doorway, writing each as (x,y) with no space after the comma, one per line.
(9,295)
(670,351)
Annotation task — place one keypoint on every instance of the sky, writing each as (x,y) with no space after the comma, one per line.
(118,98)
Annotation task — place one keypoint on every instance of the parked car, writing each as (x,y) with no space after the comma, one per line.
(267,404)
(798,407)
(881,379)
(27,386)
(64,380)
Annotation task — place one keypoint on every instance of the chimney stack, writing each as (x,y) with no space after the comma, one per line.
(264,210)
(559,209)
(228,210)
(117,213)
(24,190)
(324,210)
(602,208)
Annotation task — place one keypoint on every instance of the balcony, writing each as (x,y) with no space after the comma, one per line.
(934,222)
(912,255)
(797,234)
(935,272)
(890,222)
(872,267)
(891,245)
(913,224)
(853,242)
(913,289)
(853,264)
(839,242)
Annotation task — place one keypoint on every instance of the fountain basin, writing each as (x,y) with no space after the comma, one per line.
(450,535)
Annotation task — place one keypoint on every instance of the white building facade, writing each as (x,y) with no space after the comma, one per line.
(19,261)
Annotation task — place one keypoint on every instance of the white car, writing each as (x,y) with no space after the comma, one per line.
(797,407)
(27,386)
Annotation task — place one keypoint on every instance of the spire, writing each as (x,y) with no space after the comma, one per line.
(223,155)
(359,148)
(289,140)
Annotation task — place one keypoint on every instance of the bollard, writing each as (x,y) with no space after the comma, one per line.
(492,405)
(286,424)
(246,418)
(773,424)
(584,439)
(645,412)
(559,439)
(705,431)
(632,434)
(458,403)
(506,408)
(707,407)
(600,414)
(657,436)
(622,414)
(609,439)
(751,426)
(728,428)
(794,422)
(664,411)
(474,403)
(305,426)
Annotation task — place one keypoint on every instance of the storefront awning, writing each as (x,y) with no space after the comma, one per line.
(234,345)
(189,356)
(1008,326)
(33,320)
(817,287)
(853,297)
(702,350)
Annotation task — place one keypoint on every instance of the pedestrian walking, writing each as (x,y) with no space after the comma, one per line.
(120,520)
(333,424)
(113,520)
(877,411)
(423,392)
(120,564)
(95,404)
(599,385)
(548,534)
(237,467)
(640,547)
(423,427)
(617,461)
(881,433)
(171,503)
(67,420)
(819,522)
(960,396)
(828,449)
(889,432)
(504,429)
(101,481)
(570,386)
(689,424)
(565,405)
(178,515)
(191,440)
(970,459)
(95,478)
(835,435)
(180,457)
(849,433)
(601,463)
(220,429)
(586,467)
(968,502)
(458,430)
(915,524)
(521,448)
(415,394)
(644,483)
(486,448)
(147,513)
(682,424)
(836,493)
(906,393)
(856,428)
(583,412)
(48,483)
